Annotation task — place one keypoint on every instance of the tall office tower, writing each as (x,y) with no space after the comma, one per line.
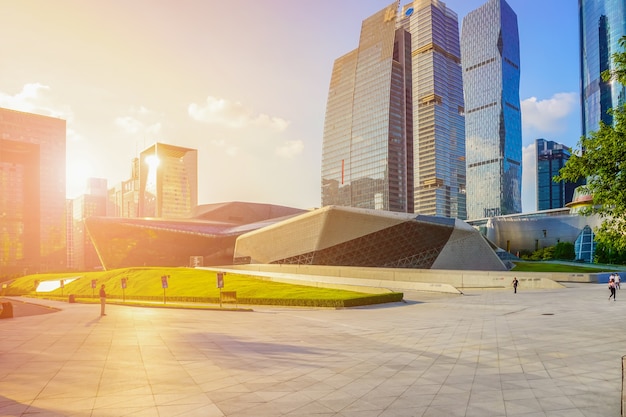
(92,203)
(32,193)
(493,123)
(168,181)
(367,156)
(602,24)
(438,121)
(551,157)
(123,198)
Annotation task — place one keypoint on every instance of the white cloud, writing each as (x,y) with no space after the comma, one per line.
(549,116)
(140,121)
(290,149)
(35,98)
(233,114)
(129,124)
(228,150)
(529,178)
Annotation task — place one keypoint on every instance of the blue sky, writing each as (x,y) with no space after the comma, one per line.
(243,81)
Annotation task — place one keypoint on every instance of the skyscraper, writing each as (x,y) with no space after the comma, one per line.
(602,24)
(32,193)
(551,157)
(493,126)
(405,73)
(367,156)
(438,121)
(168,181)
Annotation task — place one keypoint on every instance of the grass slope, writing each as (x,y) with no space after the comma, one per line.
(194,286)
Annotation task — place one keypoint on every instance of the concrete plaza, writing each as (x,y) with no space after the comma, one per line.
(486,353)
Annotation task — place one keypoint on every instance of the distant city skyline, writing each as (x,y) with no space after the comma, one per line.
(243,82)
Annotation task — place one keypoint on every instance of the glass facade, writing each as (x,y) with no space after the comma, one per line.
(406,72)
(367,155)
(439,125)
(551,157)
(168,181)
(602,24)
(493,124)
(32,193)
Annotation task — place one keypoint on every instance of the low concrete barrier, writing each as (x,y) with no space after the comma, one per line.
(392,277)
(376,280)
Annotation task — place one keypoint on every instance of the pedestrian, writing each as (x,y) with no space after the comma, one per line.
(515,282)
(612,288)
(103,300)
(617,280)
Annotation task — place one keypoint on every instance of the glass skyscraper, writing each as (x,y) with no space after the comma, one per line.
(406,72)
(439,125)
(551,157)
(493,124)
(602,24)
(367,156)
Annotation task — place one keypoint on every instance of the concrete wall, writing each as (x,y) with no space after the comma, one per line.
(452,281)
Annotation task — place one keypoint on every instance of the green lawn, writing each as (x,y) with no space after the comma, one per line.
(191,285)
(553,267)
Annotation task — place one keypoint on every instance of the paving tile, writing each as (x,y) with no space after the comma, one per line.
(482,354)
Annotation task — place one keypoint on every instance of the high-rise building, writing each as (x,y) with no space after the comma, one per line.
(602,24)
(168,181)
(394,133)
(438,121)
(367,156)
(493,124)
(551,157)
(123,198)
(82,254)
(32,193)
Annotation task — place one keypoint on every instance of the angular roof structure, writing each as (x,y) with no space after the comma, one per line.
(210,234)
(344,236)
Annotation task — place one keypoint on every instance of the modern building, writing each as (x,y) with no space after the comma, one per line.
(32,193)
(367,154)
(528,232)
(551,157)
(206,238)
(82,255)
(602,24)
(347,236)
(493,125)
(123,198)
(439,172)
(242,233)
(168,182)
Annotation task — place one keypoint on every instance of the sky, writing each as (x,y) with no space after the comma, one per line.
(243,81)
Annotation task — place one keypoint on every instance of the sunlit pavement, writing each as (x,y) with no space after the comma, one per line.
(491,353)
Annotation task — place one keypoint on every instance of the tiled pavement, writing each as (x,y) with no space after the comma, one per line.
(491,353)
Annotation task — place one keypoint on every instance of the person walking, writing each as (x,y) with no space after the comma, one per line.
(617,280)
(515,282)
(103,300)
(612,288)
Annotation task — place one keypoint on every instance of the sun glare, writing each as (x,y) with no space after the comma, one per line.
(77,173)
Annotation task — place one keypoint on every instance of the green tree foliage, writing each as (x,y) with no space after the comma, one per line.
(564,251)
(608,255)
(601,159)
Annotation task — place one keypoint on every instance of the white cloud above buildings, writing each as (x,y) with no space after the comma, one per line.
(549,115)
(233,114)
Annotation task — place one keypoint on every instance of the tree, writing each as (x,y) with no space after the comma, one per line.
(564,251)
(601,159)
